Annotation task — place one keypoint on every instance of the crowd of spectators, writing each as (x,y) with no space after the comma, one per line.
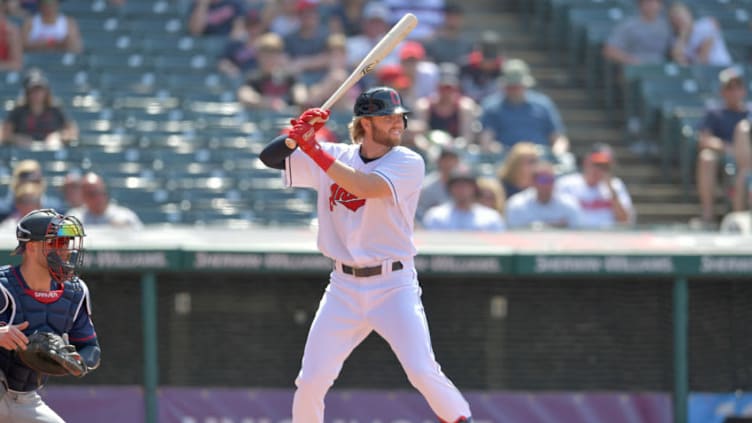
(653,37)
(286,55)
(290,54)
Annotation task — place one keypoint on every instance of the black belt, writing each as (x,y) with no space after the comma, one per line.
(362,272)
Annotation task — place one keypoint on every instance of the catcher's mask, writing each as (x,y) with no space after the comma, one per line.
(63,240)
(380,101)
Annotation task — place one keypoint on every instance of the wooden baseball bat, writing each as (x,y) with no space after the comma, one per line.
(395,35)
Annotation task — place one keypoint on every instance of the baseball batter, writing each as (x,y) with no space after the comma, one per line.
(368,194)
(43,294)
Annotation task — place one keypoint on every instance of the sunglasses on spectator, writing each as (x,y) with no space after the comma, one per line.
(30,176)
(544,179)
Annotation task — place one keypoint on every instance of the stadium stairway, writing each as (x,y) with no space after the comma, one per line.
(659,199)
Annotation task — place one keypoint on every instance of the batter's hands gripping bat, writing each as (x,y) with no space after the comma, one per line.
(395,35)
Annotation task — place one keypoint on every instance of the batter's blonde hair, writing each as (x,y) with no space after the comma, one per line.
(356,130)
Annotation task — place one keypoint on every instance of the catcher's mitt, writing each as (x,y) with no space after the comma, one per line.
(49,354)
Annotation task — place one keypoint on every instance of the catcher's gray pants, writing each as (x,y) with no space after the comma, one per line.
(25,407)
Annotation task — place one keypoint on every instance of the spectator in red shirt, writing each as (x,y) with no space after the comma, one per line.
(11,50)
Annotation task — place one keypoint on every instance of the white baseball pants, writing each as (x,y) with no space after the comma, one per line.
(25,407)
(350,309)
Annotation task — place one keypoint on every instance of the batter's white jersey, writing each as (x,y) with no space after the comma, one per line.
(357,231)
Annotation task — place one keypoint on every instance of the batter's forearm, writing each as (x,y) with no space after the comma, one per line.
(362,185)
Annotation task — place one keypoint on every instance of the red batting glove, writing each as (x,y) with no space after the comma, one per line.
(304,135)
(315,116)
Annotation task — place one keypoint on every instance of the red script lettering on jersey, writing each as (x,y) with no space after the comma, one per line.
(340,195)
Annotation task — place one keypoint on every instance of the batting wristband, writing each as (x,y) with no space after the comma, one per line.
(320,157)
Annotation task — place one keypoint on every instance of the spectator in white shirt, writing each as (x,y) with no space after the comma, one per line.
(540,206)
(697,42)
(98,210)
(435,189)
(463,212)
(603,198)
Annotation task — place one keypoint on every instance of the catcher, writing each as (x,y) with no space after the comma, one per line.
(43,307)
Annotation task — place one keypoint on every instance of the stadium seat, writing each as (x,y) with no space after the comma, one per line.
(98,9)
(585,31)
(138,10)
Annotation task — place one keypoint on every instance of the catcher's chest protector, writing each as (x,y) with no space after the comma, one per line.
(56,316)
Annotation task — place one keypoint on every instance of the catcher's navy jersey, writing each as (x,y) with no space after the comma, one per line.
(65,308)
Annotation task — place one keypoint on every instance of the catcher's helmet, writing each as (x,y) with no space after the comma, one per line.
(64,240)
(379,101)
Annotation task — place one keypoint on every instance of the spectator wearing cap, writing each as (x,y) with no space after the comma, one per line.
(11,47)
(51,30)
(27,172)
(644,38)
(449,43)
(517,114)
(240,55)
(448,109)
(463,212)
(307,46)
(36,117)
(697,42)
(540,206)
(272,85)
(603,198)
(394,76)
(215,17)
(481,69)
(716,144)
(423,73)
(98,210)
(375,26)
(434,191)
